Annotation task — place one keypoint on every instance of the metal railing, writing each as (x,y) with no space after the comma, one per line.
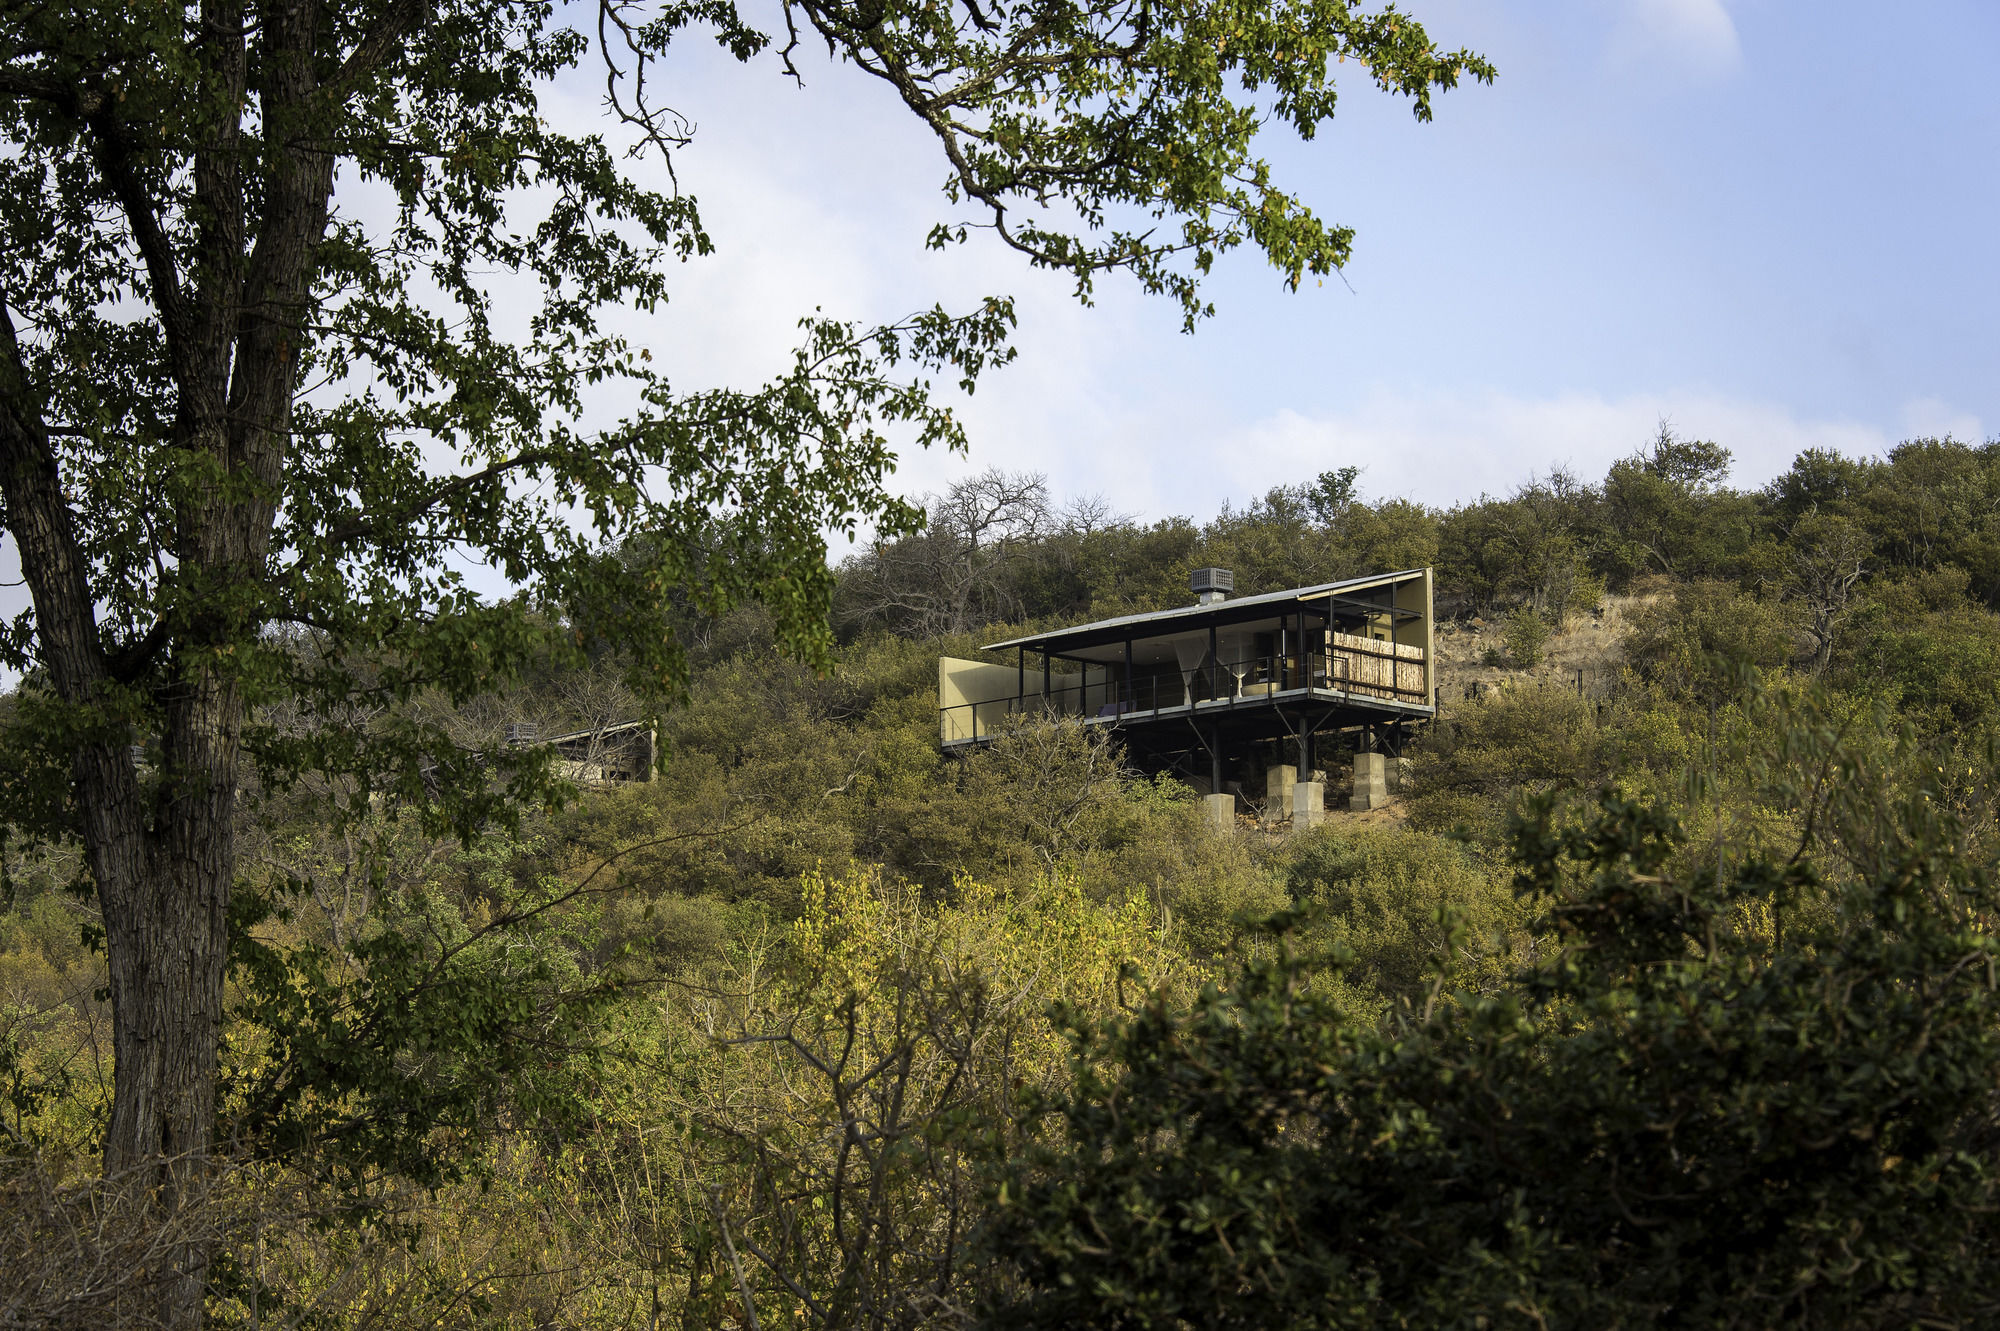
(1249,681)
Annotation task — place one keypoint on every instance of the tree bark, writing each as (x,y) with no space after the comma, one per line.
(166,936)
(162,872)
(162,851)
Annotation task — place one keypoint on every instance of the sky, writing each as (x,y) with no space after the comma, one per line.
(1766,222)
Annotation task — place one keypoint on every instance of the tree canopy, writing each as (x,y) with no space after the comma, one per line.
(260,399)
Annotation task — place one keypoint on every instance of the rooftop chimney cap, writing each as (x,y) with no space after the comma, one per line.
(1211,584)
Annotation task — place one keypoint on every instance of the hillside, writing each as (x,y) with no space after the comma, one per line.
(757,1033)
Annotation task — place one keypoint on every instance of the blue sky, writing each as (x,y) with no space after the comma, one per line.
(1766,221)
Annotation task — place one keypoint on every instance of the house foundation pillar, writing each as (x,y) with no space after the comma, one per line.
(1219,811)
(1371,782)
(1308,805)
(1278,783)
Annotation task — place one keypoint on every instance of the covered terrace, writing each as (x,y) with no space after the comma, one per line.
(1207,687)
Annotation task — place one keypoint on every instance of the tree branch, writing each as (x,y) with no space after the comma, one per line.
(130,661)
(28,85)
(363,528)
(114,163)
(374,51)
(38,517)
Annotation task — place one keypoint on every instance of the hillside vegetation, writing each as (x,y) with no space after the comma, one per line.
(1663,995)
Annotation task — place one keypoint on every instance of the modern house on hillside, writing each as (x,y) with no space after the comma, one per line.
(1230,693)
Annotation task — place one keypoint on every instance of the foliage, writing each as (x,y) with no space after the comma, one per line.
(1516,738)
(1526,633)
(1694,645)
(609,1041)
(1816,541)
(391,1050)
(1758,1099)
(1826,555)
(876,1069)
(1534,545)
(1933,653)
(953,576)
(1403,905)
(289,227)
(1669,512)
(795,1131)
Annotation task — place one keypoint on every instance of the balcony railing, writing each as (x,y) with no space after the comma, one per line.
(1353,667)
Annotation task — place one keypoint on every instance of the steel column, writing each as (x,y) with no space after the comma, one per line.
(1305,658)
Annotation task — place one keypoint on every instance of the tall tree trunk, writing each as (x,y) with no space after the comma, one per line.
(162,851)
(162,858)
(166,925)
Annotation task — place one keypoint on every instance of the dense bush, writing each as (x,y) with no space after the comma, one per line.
(1403,906)
(1693,643)
(1515,738)
(753,1035)
(1755,1099)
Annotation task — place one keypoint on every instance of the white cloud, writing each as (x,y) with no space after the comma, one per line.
(1693,35)
(1449,448)
(1930,418)
(1154,458)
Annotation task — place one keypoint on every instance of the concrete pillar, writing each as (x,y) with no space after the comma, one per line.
(1278,783)
(1371,782)
(1308,805)
(1220,811)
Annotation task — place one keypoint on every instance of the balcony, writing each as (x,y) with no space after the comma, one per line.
(1358,671)
(1211,679)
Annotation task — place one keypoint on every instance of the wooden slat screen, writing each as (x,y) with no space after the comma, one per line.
(1369,665)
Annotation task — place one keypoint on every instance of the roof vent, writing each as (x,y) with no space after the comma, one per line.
(1212,584)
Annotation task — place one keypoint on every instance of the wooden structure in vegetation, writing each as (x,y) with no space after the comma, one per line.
(1224,691)
(605,755)
(601,756)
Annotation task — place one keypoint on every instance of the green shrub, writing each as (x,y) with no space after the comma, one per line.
(1586,592)
(1209,909)
(1509,738)
(1455,813)
(1682,1116)
(1403,903)
(1941,668)
(668,932)
(1694,643)
(1526,635)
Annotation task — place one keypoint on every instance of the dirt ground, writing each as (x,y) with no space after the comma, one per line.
(1592,643)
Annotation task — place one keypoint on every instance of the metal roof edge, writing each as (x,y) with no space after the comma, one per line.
(599,732)
(1314,592)
(1359,584)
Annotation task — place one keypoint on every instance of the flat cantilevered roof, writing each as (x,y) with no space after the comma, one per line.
(1232,610)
